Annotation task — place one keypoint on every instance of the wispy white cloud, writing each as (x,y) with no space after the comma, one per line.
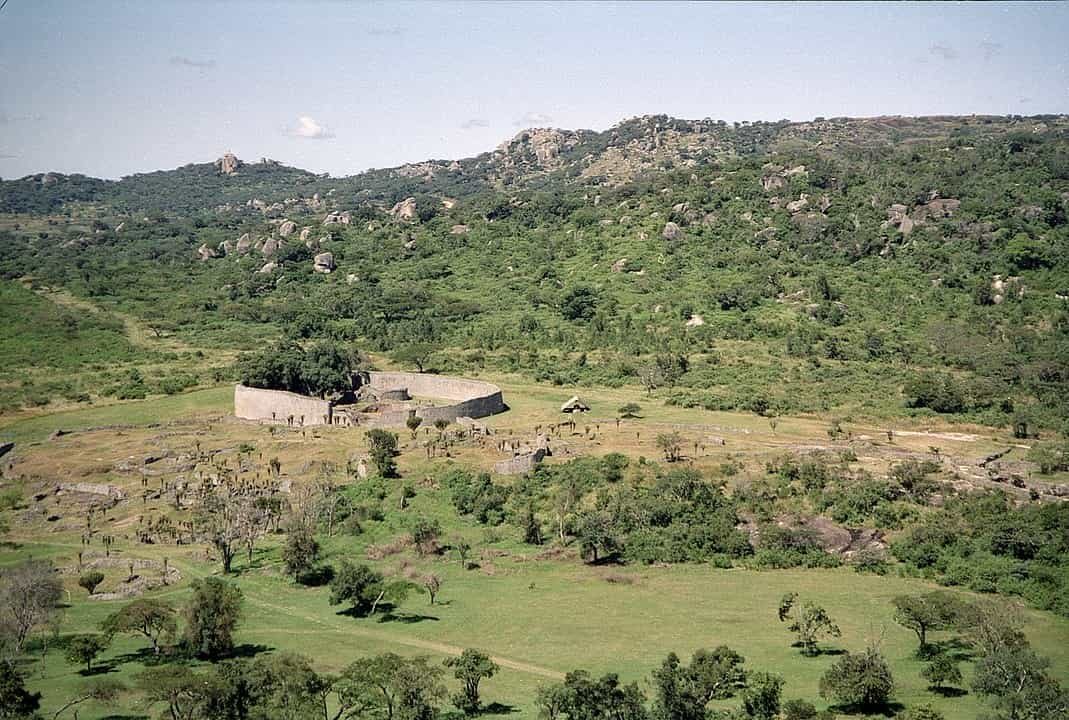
(308,128)
(944,51)
(474,123)
(531,119)
(183,61)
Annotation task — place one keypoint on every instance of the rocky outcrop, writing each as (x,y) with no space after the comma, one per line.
(459,230)
(405,210)
(206,253)
(287,228)
(243,244)
(671,231)
(798,205)
(772,183)
(620,265)
(268,268)
(695,321)
(228,164)
(540,147)
(324,262)
(338,218)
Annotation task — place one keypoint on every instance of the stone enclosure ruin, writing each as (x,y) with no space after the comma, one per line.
(379,399)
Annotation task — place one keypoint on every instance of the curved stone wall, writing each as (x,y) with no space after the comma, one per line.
(277,406)
(472,398)
(469,398)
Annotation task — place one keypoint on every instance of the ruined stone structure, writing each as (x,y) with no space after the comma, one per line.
(383,401)
(277,406)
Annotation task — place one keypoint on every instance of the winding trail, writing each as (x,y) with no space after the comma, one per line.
(437,647)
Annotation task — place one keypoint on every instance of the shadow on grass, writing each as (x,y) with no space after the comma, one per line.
(125,717)
(889,710)
(956,648)
(101,668)
(819,651)
(947,692)
(404,617)
(496,708)
(248,650)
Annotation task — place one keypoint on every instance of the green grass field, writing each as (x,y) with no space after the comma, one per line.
(541,617)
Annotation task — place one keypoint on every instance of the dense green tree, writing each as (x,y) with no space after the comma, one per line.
(212,614)
(924,613)
(84,649)
(301,550)
(155,619)
(471,667)
(382,446)
(581,697)
(683,692)
(391,687)
(761,698)
(942,672)
(859,680)
(90,580)
(16,702)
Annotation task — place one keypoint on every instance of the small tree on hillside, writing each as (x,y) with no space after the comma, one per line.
(860,681)
(155,619)
(211,615)
(942,673)
(90,580)
(808,621)
(432,584)
(83,649)
(382,446)
(470,668)
(300,551)
(671,444)
(418,354)
(412,423)
(630,410)
(937,610)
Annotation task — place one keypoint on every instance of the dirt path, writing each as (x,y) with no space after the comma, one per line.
(137,332)
(437,647)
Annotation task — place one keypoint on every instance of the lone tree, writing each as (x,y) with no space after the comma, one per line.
(300,551)
(382,446)
(470,668)
(808,621)
(364,589)
(211,615)
(859,681)
(412,422)
(938,610)
(83,649)
(941,673)
(630,410)
(90,580)
(671,444)
(154,619)
(432,584)
(418,354)
(29,594)
(597,532)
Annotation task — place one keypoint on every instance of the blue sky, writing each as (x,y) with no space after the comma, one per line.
(112,88)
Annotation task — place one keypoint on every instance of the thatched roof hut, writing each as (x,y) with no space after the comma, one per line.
(574,404)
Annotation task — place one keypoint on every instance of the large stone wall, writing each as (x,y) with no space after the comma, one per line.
(280,407)
(473,398)
(470,398)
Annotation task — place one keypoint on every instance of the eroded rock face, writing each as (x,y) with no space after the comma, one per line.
(287,228)
(324,262)
(243,244)
(228,164)
(405,210)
